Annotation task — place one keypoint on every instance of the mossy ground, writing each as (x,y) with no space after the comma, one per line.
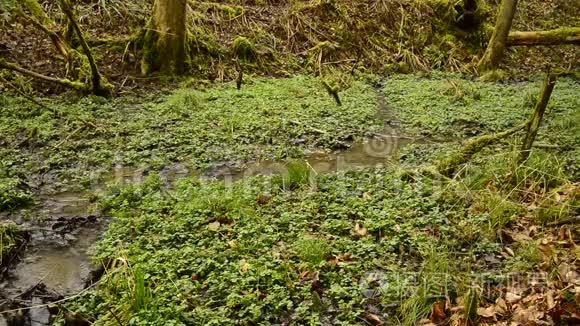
(449,108)
(232,258)
(327,251)
(12,195)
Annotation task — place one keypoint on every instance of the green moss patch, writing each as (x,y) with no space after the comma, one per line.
(11,237)
(12,196)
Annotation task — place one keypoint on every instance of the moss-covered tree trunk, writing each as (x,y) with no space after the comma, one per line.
(566,35)
(164,46)
(495,50)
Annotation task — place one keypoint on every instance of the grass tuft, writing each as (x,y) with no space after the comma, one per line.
(312,251)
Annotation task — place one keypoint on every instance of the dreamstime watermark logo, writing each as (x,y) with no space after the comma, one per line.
(373,152)
(394,287)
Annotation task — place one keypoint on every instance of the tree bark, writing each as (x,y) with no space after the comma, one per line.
(99,88)
(568,35)
(164,47)
(496,47)
(535,121)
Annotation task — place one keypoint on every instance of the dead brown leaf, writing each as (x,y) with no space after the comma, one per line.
(439,311)
(488,312)
(550,301)
(501,306)
(512,297)
(373,319)
(215,226)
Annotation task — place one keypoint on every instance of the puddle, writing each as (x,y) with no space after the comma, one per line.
(372,152)
(62,269)
(47,273)
(64,205)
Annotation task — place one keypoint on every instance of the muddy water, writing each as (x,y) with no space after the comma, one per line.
(372,152)
(62,229)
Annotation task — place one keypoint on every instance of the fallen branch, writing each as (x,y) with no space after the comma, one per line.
(448,165)
(99,88)
(58,42)
(549,146)
(28,97)
(122,40)
(78,294)
(536,119)
(64,82)
(566,35)
(312,129)
(571,220)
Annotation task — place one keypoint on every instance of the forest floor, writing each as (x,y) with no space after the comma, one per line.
(273,204)
(344,230)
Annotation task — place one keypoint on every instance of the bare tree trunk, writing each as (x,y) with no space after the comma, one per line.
(495,50)
(100,88)
(535,121)
(567,35)
(164,47)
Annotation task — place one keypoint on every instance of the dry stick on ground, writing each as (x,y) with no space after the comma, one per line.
(570,220)
(78,294)
(536,119)
(566,35)
(100,88)
(64,82)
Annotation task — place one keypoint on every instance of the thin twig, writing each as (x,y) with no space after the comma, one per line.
(69,135)
(50,303)
(115,316)
(571,220)
(28,97)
